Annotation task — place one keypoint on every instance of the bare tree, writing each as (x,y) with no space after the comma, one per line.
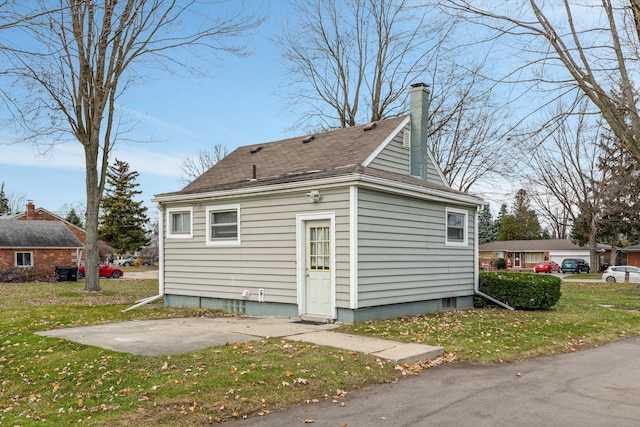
(355,56)
(469,135)
(588,47)
(193,167)
(565,169)
(76,58)
(354,59)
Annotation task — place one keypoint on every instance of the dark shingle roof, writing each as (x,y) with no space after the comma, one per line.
(36,234)
(533,245)
(331,153)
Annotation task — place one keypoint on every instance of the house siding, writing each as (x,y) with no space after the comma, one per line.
(403,256)
(432,173)
(394,157)
(266,256)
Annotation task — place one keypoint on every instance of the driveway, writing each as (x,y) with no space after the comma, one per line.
(597,387)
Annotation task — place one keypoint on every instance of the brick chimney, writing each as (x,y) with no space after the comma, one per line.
(419,109)
(31,210)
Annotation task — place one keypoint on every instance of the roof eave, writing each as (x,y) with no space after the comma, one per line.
(359,179)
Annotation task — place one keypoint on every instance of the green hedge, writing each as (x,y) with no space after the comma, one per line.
(524,291)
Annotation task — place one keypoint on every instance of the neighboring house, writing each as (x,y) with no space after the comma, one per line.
(349,225)
(524,254)
(41,244)
(39,214)
(633,255)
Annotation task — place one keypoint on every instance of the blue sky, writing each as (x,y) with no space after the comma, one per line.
(175,117)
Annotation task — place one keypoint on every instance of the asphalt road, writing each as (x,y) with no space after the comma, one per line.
(596,387)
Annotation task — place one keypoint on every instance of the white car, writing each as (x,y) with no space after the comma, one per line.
(617,274)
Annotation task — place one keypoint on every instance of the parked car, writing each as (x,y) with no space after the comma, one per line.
(575,265)
(546,267)
(130,260)
(103,271)
(617,273)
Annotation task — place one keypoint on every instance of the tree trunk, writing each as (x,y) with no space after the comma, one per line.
(94,194)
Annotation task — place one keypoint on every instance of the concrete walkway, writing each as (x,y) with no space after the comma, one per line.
(171,336)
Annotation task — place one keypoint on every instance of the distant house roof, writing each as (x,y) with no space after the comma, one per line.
(633,248)
(329,154)
(36,234)
(534,245)
(38,214)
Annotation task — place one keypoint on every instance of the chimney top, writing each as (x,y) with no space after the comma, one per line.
(31,210)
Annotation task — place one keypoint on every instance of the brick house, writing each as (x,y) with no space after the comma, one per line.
(524,254)
(39,214)
(38,238)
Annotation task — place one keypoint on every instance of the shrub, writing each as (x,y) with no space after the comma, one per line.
(525,291)
(27,275)
(499,263)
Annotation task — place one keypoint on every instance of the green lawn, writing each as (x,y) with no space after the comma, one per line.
(588,314)
(46,381)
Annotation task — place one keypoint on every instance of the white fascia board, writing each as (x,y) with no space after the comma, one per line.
(386,142)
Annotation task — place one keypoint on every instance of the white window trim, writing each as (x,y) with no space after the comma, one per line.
(464,243)
(218,208)
(15,259)
(170,233)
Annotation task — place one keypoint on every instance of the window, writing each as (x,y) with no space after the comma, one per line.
(456,227)
(533,257)
(24,259)
(319,251)
(223,225)
(179,223)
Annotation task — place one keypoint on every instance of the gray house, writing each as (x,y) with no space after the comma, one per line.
(348,225)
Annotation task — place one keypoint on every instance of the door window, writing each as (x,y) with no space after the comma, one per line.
(319,253)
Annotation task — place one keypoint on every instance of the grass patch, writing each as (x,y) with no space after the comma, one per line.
(587,315)
(50,381)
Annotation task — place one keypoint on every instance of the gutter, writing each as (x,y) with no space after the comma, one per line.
(145,301)
(476,270)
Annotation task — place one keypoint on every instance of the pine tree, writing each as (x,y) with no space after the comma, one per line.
(73,218)
(4,202)
(522,223)
(486,227)
(123,220)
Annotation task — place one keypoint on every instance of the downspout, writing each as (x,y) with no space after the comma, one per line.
(160,264)
(476,270)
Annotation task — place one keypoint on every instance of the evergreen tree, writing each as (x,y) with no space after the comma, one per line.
(73,218)
(486,227)
(4,202)
(580,230)
(501,214)
(522,223)
(123,220)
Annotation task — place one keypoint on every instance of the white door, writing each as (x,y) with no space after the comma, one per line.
(318,269)
(516,259)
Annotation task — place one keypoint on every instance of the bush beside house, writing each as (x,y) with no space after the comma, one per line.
(524,291)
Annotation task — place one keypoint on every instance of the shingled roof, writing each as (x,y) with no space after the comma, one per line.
(36,234)
(533,245)
(324,154)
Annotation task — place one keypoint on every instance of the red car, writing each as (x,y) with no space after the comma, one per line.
(547,267)
(104,271)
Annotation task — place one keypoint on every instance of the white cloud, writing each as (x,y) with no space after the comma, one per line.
(70,156)
(62,156)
